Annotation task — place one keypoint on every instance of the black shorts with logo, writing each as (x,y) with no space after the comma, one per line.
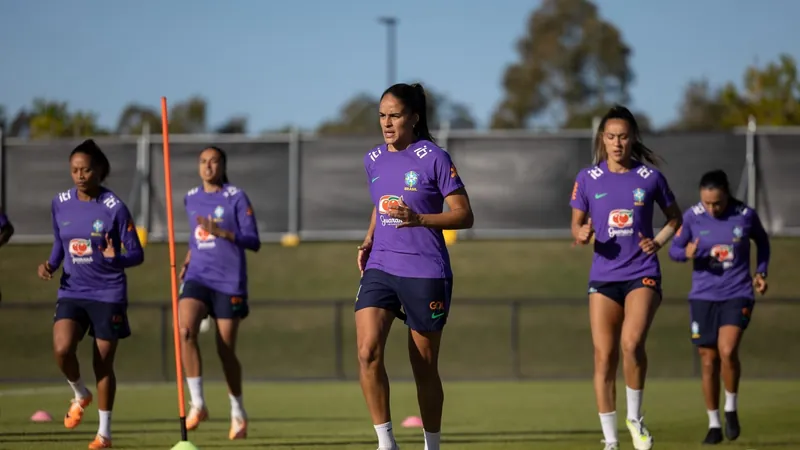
(219,304)
(423,303)
(103,320)
(618,290)
(707,317)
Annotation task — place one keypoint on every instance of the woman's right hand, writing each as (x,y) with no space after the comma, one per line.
(363,254)
(585,233)
(44,271)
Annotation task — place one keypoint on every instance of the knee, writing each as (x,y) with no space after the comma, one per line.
(727,353)
(708,361)
(225,351)
(63,349)
(188,335)
(632,347)
(605,359)
(369,355)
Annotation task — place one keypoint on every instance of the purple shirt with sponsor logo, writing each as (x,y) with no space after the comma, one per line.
(422,176)
(722,261)
(79,231)
(218,263)
(621,206)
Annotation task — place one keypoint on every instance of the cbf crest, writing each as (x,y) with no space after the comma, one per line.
(737,234)
(218,213)
(695,330)
(97,227)
(638,197)
(411,180)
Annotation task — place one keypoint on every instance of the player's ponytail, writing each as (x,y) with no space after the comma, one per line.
(414,99)
(718,179)
(100,162)
(223,159)
(639,151)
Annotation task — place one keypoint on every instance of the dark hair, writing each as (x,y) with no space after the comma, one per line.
(223,157)
(718,179)
(99,160)
(639,151)
(413,98)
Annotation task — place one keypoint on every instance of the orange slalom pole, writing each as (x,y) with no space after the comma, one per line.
(172,267)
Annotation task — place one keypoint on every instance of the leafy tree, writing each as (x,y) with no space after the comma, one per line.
(134,117)
(571,65)
(234,125)
(53,119)
(360,115)
(771,95)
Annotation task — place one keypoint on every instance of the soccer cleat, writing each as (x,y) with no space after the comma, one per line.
(196,415)
(642,439)
(75,413)
(610,445)
(238,429)
(100,442)
(713,437)
(732,429)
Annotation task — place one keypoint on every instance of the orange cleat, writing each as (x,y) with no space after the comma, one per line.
(238,429)
(196,415)
(75,414)
(100,442)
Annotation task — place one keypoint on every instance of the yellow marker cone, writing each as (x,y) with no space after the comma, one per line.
(450,236)
(142,232)
(290,240)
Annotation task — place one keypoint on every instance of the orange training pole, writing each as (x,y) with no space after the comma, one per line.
(173,274)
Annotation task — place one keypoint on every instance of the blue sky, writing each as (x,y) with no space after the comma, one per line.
(296,62)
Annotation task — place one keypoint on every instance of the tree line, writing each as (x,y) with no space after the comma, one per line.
(572,66)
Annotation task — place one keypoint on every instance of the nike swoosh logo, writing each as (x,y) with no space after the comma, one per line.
(597,196)
(436,315)
(373,180)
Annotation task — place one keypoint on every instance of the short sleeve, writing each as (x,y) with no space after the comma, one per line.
(664,196)
(578,198)
(447,178)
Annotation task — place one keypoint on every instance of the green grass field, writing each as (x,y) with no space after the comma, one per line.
(479,416)
(326,271)
(304,338)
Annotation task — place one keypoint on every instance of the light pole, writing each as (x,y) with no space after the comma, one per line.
(391,48)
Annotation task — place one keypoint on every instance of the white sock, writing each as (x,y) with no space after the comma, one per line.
(634,403)
(196,391)
(432,440)
(79,388)
(105,424)
(385,436)
(713,419)
(237,406)
(609,423)
(730,401)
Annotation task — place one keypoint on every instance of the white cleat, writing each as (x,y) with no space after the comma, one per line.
(642,439)
(610,445)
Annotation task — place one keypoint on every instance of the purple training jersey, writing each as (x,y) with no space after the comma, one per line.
(422,176)
(621,206)
(217,263)
(722,261)
(80,229)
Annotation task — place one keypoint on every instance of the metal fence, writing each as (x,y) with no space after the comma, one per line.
(483,340)
(315,187)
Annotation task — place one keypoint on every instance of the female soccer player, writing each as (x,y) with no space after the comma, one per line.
(716,236)
(403,260)
(90,227)
(214,278)
(614,201)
